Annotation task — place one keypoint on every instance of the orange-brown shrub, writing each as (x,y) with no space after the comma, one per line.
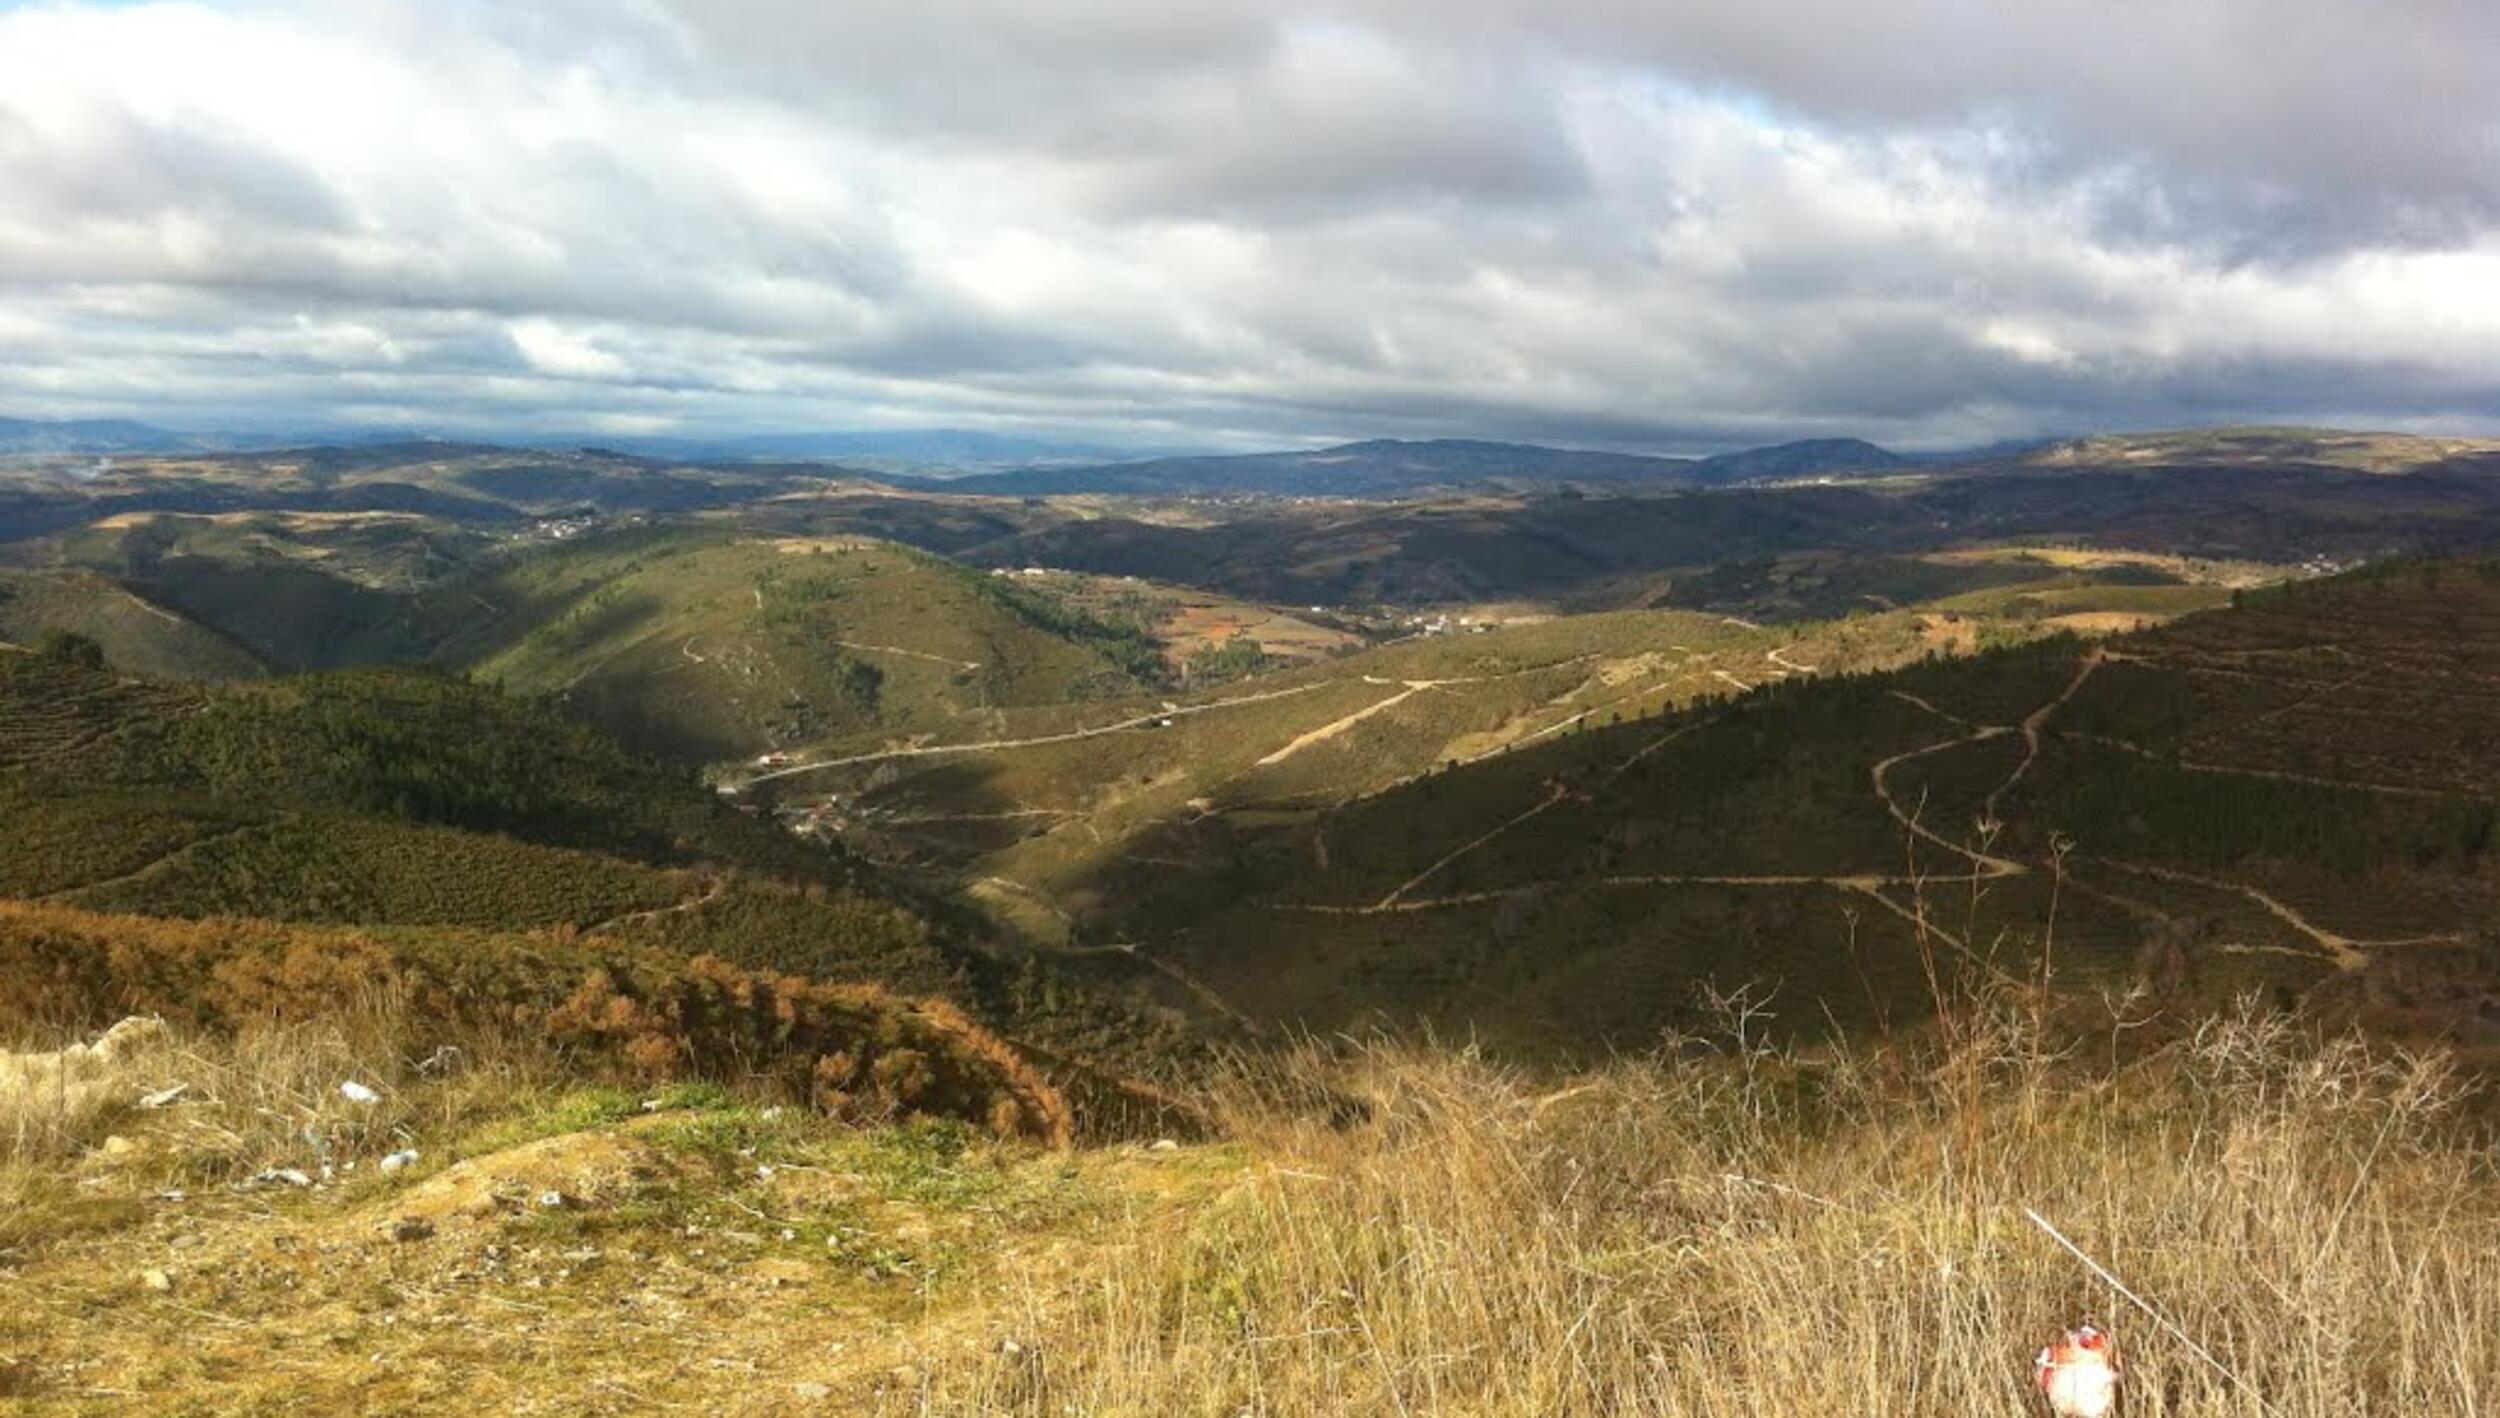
(853,1048)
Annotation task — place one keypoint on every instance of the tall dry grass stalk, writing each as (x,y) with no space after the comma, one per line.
(1770,1233)
(267,1097)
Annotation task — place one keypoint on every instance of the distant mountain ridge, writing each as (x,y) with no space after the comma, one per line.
(906,449)
(1374,468)
(1390,467)
(1005,464)
(103,437)
(88,436)
(1803,458)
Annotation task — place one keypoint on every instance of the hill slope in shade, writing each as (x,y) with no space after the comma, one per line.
(1455,551)
(2297,792)
(136,635)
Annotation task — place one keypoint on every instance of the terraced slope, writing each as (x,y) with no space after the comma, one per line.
(51,707)
(401,798)
(2293,794)
(1042,816)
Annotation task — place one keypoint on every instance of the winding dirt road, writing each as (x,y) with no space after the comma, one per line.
(938,750)
(2344,952)
(1330,730)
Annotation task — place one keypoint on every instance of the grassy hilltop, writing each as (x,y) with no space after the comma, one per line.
(702,646)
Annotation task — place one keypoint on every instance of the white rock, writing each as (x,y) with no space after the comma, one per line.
(397,1160)
(156,1280)
(355,1092)
(282,1176)
(1163,1144)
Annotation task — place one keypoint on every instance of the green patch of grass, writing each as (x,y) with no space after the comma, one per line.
(48,1208)
(937,1162)
(577,1111)
(737,1138)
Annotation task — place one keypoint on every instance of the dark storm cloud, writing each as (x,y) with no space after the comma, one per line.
(2280,125)
(1671,223)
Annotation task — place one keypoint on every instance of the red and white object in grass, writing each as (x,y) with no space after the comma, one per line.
(2078,1375)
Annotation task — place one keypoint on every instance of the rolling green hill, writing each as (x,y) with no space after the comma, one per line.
(704,646)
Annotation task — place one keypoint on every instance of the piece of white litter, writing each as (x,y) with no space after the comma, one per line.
(286,1175)
(397,1160)
(165,1097)
(355,1092)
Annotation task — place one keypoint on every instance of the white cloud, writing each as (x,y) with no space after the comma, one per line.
(563,353)
(1672,223)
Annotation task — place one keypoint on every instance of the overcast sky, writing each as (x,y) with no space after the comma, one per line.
(1677,224)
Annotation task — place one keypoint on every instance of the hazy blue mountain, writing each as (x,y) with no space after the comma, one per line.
(930,450)
(1382,467)
(1804,458)
(88,436)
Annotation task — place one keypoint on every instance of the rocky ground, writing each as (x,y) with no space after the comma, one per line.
(543,1251)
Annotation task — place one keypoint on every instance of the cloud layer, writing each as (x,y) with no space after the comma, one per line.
(1678,224)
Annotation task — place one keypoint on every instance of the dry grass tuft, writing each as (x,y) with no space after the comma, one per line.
(1762,1232)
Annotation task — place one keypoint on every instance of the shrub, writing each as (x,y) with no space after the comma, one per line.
(855,1049)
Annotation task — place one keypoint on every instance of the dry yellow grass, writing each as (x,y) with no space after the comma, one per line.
(1761,1234)
(705,1246)
(1391,1229)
